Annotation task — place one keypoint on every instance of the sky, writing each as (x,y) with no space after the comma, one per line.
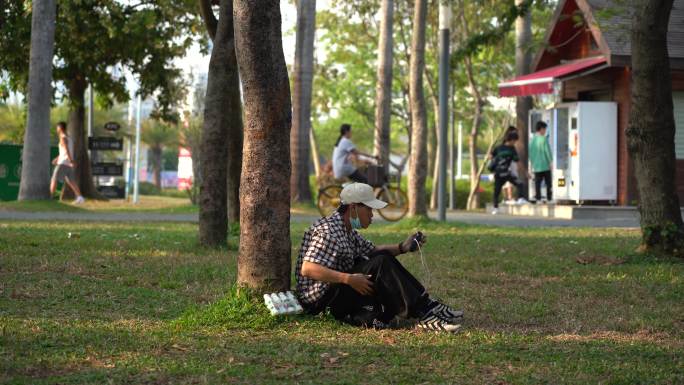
(196,63)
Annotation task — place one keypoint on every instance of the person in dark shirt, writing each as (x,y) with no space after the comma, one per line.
(502,157)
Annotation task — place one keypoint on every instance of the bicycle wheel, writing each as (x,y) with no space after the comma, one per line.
(397,202)
(329,199)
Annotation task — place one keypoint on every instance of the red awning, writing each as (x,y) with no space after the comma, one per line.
(541,82)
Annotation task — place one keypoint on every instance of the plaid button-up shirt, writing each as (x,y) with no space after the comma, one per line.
(328,243)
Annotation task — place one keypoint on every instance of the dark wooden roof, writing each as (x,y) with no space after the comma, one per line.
(610,24)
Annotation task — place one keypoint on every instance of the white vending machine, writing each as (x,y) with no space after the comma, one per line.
(583,140)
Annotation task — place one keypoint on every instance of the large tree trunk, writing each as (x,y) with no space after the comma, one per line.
(523,104)
(77,131)
(264,258)
(383,88)
(35,172)
(651,129)
(157,166)
(418,157)
(303,82)
(221,144)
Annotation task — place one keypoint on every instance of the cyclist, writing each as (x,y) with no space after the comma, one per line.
(344,152)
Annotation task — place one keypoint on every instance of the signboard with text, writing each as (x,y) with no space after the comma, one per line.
(105,143)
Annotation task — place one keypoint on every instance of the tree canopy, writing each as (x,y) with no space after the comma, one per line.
(97,40)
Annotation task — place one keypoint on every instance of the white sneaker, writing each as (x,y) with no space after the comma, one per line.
(79,200)
(510,202)
(521,201)
(495,211)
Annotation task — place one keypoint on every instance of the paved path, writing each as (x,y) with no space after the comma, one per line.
(456,216)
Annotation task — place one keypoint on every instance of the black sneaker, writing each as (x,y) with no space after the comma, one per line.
(435,323)
(445,312)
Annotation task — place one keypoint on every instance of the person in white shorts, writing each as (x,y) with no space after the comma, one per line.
(344,152)
(64,172)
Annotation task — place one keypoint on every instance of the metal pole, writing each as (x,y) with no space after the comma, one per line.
(90,110)
(136,173)
(452,161)
(444,26)
(93,154)
(459,159)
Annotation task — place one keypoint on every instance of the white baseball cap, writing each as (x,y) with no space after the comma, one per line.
(361,193)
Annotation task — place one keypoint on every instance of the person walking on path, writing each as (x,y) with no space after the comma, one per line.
(64,172)
(540,157)
(360,283)
(502,157)
(344,152)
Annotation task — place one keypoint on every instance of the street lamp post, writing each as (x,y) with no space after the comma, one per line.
(444,26)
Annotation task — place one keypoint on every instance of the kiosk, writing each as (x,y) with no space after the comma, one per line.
(583,140)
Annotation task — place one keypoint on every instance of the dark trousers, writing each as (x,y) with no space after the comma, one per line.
(358,176)
(499,181)
(546,177)
(395,292)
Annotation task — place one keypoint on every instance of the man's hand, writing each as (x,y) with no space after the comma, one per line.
(411,243)
(361,283)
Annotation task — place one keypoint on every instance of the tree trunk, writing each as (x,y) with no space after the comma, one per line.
(264,258)
(35,171)
(523,104)
(157,166)
(418,157)
(303,82)
(221,144)
(383,97)
(314,154)
(77,131)
(651,129)
(433,142)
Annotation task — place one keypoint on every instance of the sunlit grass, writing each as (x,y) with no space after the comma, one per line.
(145,303)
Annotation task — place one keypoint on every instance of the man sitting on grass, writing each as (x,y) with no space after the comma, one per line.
(363,284)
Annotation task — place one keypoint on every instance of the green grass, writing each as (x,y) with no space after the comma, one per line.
(146,203)
(144,303)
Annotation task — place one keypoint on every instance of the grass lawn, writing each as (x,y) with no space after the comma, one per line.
(146,203)
(143,303)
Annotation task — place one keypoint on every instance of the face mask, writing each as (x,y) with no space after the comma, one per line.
(355,222)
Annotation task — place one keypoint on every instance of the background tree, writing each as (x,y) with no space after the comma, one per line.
(303,83)
(221,149)
(35,171)
(383,98)
(651,129)
(158,135)
(264,258)
(191,139)
(523,104)
(418,157)
(95,42)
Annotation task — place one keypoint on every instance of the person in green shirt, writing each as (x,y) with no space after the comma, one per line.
(540,157)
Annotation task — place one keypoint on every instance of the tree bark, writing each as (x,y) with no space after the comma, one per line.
(418,157)
(35,172)
(77,131)
(383,97)
(264,257)
(303,83)
(523,104)
(478,103)
(221,144)
(651,129)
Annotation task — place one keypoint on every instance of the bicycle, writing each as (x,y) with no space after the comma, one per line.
(387,189)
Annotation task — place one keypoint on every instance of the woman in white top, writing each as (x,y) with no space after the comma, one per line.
(344,151)
(64,172)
